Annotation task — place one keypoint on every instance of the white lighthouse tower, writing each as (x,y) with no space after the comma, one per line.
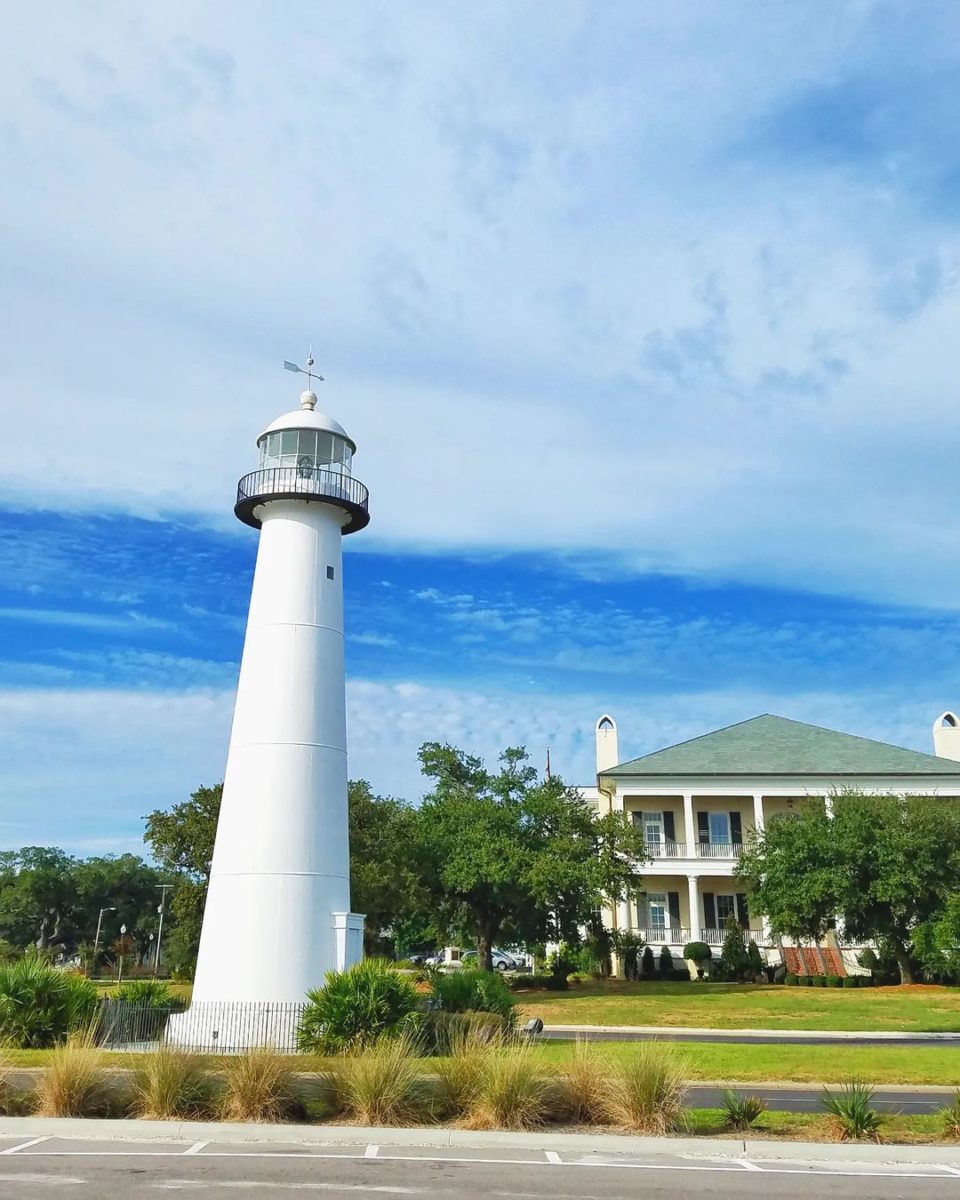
(278,914)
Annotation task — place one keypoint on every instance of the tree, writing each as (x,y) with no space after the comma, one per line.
(383,884)
(885,865)
(37,892)
(510,856)
(734,961)
(181,840)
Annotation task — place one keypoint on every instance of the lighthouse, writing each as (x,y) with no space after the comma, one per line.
(278,916)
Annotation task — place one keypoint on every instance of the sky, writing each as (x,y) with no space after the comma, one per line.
(643,318)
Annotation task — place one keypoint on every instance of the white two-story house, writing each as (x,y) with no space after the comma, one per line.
(699,800)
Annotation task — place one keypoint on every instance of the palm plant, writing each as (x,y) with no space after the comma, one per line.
(41,1005)
(742,1111)
(852,1111)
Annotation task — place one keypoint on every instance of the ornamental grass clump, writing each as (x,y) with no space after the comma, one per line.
(742,1111)
(460,1069)
(41,1005)
(471,990)
(358,1007)
(258,1086)
(170,1084)
(383,1085)
(853,1116)
(585,1085)
(646,1091)
(512,1091)
(74,1083)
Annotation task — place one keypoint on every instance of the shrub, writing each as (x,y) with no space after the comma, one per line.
(852,1111)
(666,961)
(562,963)
(698,952)
(950,1118)
(742,1110)
(818,980)
(584,1087)
(868,959)
(680,975)
(258,1086)
(41,1005)
(146,993)
(442,1031)
(833,981)
(648,962)
(511,1091)
(382,1085)
(849,981)
(791,980)
(755,958)
(734,960)
(74,1083)
(170,1085)
(646,1092)
(804,980)
(475,991)
(357,1007)
(628,944)
(550,983)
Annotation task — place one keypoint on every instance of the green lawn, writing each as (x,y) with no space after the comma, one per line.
(815,1127)
(795,1064)
(919,1009)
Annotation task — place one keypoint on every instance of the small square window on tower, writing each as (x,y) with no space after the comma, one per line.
(330,572)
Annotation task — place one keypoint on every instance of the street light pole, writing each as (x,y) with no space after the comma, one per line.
(123,934)
(96,940)
(164,888)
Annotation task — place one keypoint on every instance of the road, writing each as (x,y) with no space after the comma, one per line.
(130,1170)
(799,1099)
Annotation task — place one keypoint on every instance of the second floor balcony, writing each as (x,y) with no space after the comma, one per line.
(667,849)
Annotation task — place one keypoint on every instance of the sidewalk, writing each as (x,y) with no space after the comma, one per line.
(194,1135)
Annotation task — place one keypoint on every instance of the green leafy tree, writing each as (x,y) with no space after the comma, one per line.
(886,865)
(510,856)
(383,884)
(37,895)
(734,961)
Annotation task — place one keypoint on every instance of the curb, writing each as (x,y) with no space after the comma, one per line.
(87,1129)
(798,1035)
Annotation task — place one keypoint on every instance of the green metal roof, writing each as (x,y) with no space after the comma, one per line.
(769,745)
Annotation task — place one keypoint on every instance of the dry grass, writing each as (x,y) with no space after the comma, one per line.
(170,1084)
(646,1090)
(460,1071)
(584,1086)
(384,1085)
(258,1086)
(74,1083)
(511,1092)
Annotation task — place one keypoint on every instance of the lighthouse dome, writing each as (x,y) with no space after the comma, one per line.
(307,417)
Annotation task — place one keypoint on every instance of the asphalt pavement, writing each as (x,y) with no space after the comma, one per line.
(755,1037)
(129,1169)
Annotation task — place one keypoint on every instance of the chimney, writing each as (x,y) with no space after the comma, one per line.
(608,752)
(946,737)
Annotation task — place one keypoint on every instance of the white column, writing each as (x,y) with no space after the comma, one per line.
(623,914)
(688,831)
(758,812)
(693,894)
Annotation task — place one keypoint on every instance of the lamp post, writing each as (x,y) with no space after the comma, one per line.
(123,934)
(164,888)
(96,940)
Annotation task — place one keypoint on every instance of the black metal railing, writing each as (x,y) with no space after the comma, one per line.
(303,483)
(207,1027)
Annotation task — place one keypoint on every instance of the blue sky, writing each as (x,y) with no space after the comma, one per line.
(643,319)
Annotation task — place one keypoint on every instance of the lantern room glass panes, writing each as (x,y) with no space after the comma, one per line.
(306,450)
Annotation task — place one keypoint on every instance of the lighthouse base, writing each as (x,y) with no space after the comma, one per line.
(229,1026)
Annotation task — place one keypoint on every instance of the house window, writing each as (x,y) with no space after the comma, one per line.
(720,828)
(657,911)
(726,907)
(653,831)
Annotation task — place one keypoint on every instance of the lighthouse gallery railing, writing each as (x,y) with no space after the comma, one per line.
(307,483)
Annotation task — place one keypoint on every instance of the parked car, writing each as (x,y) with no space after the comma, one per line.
(501,960)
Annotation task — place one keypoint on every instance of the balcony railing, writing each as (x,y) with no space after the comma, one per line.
(714,937)
(657,850)
(719,849)
(303,483)
(664,935)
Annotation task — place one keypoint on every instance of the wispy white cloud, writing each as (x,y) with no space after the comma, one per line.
(574,292)
(128,622)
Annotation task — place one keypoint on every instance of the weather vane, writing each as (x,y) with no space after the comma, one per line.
(307,370)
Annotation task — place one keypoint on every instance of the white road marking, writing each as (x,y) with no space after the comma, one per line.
(196,1147)
(274,1185)
(24,1145)
(950,1170)
(371,1152)
(749,1166)
(734,1164)
(32,1177)
(553,1158)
